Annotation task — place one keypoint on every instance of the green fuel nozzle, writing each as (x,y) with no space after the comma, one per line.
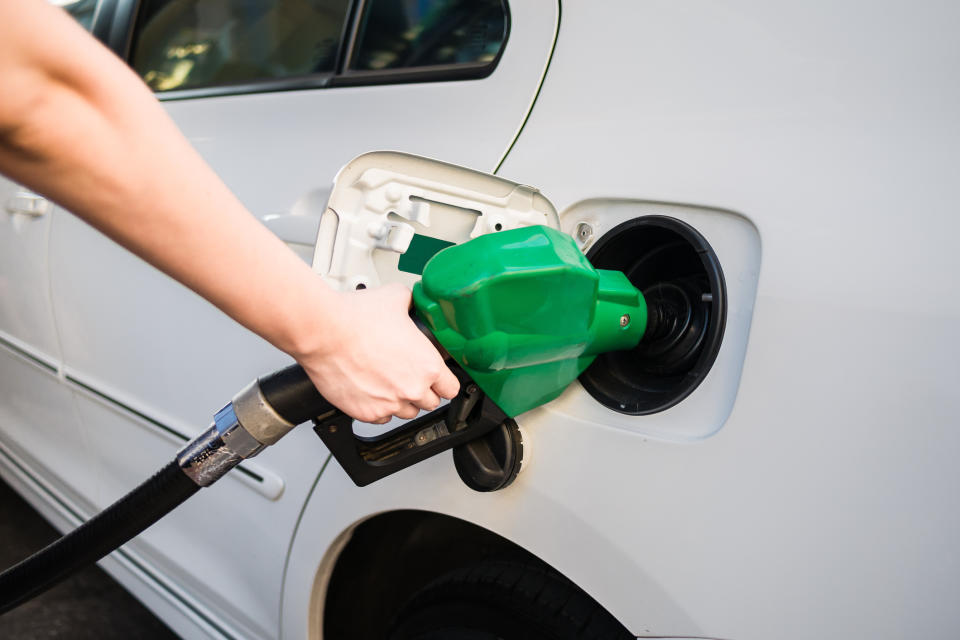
(521,312)
(525,313)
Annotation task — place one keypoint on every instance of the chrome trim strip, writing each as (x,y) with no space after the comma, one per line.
(264,482)
(23,350)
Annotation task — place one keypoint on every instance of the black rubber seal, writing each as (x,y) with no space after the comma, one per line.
(653,251)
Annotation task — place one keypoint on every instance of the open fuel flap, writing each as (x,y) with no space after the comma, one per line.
(634,306)
(389,212)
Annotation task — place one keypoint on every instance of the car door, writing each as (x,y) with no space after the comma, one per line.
(276,98)
(39,434)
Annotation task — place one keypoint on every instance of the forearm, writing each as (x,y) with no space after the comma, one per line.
(79,127)
(120,163)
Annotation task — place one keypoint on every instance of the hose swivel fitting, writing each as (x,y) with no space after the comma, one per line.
(206,458)
(240,430)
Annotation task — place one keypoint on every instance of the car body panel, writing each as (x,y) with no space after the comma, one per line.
(821,507)
(815,146)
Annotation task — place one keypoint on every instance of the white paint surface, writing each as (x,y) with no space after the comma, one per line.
(819,502)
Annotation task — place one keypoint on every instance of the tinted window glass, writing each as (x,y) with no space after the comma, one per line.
(81,10)
(184,44)
(400,34)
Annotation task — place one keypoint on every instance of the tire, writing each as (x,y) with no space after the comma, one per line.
(501,600)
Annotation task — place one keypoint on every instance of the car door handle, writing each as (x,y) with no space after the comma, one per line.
(27,203)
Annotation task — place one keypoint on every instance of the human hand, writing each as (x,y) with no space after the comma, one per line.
(374,363)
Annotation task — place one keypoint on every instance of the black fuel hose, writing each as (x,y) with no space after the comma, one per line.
(256,417)
(269,407)
(97,537)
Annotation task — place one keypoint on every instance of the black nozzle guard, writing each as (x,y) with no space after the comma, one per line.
(680,278)
(491,462)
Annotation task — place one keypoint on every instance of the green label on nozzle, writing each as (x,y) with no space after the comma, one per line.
(421,249)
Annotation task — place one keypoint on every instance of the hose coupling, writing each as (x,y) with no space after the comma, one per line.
(240,430)
(210,455)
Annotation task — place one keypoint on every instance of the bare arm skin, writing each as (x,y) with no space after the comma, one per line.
(77,125)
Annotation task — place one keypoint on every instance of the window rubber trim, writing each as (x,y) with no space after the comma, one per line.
(122,22)
(433,73)
(348,37)
(113,25)
(275,85)
(102,19)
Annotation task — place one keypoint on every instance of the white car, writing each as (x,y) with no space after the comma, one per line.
(796,479)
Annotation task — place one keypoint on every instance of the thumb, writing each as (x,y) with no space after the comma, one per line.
(446,385)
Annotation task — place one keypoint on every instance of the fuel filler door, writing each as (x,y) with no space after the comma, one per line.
(390,212)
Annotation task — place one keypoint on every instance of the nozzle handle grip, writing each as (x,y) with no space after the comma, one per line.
(293,396)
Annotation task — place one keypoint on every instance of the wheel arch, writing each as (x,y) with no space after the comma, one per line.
(531,519)
(377,564)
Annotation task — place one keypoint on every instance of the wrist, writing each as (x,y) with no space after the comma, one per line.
(313,324)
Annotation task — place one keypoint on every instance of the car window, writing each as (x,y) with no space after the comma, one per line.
(186,44)
(401,34)
(81,10)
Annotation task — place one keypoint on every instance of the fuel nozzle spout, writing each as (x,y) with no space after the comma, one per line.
(678,316)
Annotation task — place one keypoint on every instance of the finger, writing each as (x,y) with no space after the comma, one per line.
(429,400)
(407,412)
(375,415)
(446,385)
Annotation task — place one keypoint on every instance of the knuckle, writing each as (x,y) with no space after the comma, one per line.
(411,393)
(450,386)
(372,415)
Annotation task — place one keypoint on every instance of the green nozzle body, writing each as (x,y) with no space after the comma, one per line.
(524,312)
